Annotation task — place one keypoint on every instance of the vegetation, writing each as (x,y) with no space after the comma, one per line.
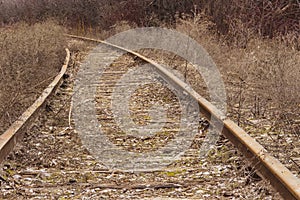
(233,19)
(30,57)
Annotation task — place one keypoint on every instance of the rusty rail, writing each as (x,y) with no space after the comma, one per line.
(279,176)
(283,180)
(14,133)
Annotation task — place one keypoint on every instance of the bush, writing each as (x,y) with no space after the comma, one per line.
(93,13)
(30,57)
(238,20)
(234,18)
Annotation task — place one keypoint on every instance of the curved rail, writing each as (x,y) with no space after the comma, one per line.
(279,176)
(269,167)
(12,135)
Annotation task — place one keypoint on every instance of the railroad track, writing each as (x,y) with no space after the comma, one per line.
(270,168)
(10,137)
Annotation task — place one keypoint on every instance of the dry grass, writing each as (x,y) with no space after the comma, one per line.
(267,70)
(30,57)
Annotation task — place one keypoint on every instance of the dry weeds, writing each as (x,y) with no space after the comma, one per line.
(30,57)
(235,21)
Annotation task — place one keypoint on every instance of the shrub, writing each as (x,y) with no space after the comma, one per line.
(237,19)
(30,57)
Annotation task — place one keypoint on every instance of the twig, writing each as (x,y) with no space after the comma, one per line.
(12,102)
(295,163)
(70,113)
(40,83)
(111,186)
(138,186)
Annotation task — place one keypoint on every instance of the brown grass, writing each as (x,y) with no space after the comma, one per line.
(267,68)
(30,57)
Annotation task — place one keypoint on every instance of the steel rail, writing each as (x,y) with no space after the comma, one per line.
(283,180)
(14,133)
